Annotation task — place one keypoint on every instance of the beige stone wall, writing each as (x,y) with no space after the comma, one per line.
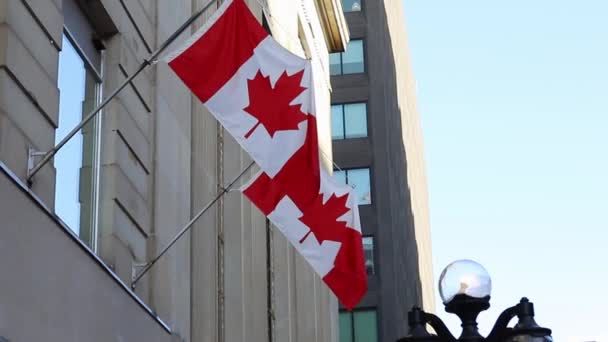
(53,288)
(413,143)
(127,226)
(206,145)
(233,277)
(29,98)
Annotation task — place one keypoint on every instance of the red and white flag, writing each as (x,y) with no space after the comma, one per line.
(263,95)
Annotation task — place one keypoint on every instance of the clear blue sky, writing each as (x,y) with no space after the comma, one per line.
(513,97)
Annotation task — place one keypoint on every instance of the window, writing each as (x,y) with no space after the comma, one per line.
(368,251)
(359,179)
(358,326)
(77,163)
(349,121)
(351,5)
(350,61)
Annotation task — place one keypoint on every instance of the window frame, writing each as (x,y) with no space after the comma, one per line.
(345,170)
(343,104)
(78,28)
(351,315)
(363,54)
(97,73)
(362,2)
(374,269)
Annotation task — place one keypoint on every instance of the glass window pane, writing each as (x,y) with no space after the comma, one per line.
(334,64)
(368,250)
(366,326)
(337,122)
(340,176)
(346,327)
(76,162)
(351,5)
(359,179)
(68,161)
(352,58)
(90,163)
(355,117)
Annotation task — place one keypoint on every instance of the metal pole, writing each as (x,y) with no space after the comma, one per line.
(189,225)
(148,61)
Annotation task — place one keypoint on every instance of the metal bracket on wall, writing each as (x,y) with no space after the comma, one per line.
(135,268)
(31,159)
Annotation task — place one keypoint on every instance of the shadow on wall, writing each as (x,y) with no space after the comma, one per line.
(405,287)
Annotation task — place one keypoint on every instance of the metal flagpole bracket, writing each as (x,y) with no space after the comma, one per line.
(32,153)
(135,268)
(148,61)
(136,276)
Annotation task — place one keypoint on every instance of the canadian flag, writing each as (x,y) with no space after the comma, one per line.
(263,95)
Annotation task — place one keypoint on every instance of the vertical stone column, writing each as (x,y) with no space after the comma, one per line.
(204,236)
(29,97)
(127,147)
(171,281)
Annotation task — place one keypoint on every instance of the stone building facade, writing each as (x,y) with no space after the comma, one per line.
(71,240)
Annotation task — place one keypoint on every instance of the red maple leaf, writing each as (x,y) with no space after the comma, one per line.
(271,105)
(322,219)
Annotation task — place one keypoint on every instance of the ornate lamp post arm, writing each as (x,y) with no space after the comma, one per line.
(440,328)
(526,325)
(418,319)
(501,329)
(465,290)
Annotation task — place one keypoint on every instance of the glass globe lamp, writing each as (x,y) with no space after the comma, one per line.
(464,277)
(465,288)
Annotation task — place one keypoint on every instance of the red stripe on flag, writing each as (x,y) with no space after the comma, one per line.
(299,180)
(264,193)
(348,278)
(216,56)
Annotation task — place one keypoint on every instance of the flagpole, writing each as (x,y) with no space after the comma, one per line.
(148,61)
(188,225)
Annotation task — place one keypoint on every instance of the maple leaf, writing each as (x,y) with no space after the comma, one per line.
(322,218)
(271,105)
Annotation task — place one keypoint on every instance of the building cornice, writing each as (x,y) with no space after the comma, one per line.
(333,23)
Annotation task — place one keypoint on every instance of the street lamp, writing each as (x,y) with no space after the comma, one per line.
(465,288)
